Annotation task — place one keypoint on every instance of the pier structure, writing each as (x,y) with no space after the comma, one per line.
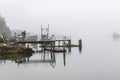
(44,33)
(51,43)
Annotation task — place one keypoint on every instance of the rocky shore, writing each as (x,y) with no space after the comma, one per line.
(15,50)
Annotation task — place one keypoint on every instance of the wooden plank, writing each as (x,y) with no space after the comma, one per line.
(56,50)
(35,42)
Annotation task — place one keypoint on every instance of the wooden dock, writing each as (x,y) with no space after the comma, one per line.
(55,50)
(72,45)
(52,45)
(47,42)
(35,42)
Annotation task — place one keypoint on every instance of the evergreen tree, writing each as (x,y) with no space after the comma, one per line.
(4,29)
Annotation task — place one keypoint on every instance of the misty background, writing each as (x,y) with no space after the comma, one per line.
(94,21)
(71,17)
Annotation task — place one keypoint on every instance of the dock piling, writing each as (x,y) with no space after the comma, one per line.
(80,43)
(69,42)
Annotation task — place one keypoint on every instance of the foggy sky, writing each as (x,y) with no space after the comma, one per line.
(71,17)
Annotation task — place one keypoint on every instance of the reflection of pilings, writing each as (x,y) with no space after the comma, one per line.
(64,58)
(53,56)
(69,49)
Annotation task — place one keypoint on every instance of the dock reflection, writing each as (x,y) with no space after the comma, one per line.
(17,58)
(42,57)
(46,57)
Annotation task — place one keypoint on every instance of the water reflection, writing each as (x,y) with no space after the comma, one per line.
(17,58)
(116,36)
(43,57)
(47,57)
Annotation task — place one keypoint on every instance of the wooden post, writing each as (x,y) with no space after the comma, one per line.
(58,43)
(54,45)
(27,59)
(28,46)
(44,49)
(51,46)
(63,45)
(69,43)
(64,59)
(80,43)
(51,54)
(69,49)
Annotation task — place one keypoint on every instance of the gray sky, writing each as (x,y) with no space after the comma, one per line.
(64,16)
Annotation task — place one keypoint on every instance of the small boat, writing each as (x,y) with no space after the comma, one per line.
(116,35)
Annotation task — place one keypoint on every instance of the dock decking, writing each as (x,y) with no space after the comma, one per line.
(56,50)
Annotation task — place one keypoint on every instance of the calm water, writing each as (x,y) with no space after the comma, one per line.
(99,60)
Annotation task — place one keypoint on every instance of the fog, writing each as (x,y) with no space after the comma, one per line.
(94,21)
(71,17)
